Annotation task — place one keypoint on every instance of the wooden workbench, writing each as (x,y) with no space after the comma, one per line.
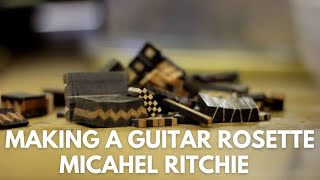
(302,112)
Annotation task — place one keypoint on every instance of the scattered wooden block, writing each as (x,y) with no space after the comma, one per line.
(249,110)
(211,106)
(150,66)
(217,77)
(150,103)
(184,120)
(58,96)
(241,109)
(94,83)
(264,116)
(114,110)
(269,102)
(188,112)
(229,87)
(151,53)
(165,75)
(154,122)
(218,86)
(113,65)
(28,105)
(160,93)
(138,68)
(9,118)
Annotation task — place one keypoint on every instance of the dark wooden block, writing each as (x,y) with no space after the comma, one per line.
(170,121)
(269,102)
(113,65)
(188,112)
(237,115)
(95,83)
(217,77)
(254,112)
(9,118)
(232,109)
(211,106)
(228,109)
(184,120)
(58,96)
(28,105)
(206,104)
(274,102)
(228,87)
(114,110)
(160,93)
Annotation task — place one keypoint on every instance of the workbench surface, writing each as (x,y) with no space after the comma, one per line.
(302,110)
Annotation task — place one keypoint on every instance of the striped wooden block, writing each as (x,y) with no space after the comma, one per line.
(29,105)
(154,122)
(9,118)
(232,109)
(106,110)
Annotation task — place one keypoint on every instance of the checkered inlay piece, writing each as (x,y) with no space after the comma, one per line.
(150,103)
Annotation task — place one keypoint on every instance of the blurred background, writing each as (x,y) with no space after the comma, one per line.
(246,35)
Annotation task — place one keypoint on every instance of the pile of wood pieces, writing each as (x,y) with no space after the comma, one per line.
(153,92)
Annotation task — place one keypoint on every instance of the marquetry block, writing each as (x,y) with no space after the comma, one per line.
(9,118)
(150,102)
(154,122)
(29,105)
(242,109)
(114,110)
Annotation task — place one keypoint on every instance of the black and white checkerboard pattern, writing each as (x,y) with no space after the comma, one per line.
(150,103)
